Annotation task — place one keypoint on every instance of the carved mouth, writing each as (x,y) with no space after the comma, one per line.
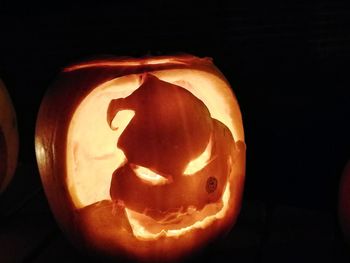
(152,225)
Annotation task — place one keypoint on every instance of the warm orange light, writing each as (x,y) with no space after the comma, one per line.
(184,220)
(150,177)
(201,161)
(147,155)
(130,62)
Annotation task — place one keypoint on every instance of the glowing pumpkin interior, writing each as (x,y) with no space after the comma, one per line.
(168,165)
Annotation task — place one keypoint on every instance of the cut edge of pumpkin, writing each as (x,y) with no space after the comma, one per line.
(220,101)
(141,223)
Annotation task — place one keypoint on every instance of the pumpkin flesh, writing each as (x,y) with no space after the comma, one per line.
(120,193)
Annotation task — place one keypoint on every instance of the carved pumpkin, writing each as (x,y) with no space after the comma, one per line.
(344,202)
(142,158)
(8,138)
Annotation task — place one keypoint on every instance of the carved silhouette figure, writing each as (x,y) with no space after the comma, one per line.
(170,128)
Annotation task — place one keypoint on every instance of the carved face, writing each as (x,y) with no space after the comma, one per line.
(171,143)
(142,157)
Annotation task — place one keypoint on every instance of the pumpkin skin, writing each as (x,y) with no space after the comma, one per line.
(8,139)
(344,202)
(138,198)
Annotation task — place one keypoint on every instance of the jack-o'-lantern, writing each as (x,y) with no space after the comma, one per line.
(142,158)
(8,138)
(344,202)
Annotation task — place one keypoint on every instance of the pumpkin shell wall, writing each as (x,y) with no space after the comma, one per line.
(97,176)
(8,139)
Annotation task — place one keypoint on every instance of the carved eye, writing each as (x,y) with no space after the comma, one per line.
(150,177)
(201,161)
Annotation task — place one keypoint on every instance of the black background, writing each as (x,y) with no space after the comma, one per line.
(287,64)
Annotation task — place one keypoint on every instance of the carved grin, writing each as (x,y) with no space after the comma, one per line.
(171,143)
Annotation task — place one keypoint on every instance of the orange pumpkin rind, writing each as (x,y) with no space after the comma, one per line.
(105,224)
